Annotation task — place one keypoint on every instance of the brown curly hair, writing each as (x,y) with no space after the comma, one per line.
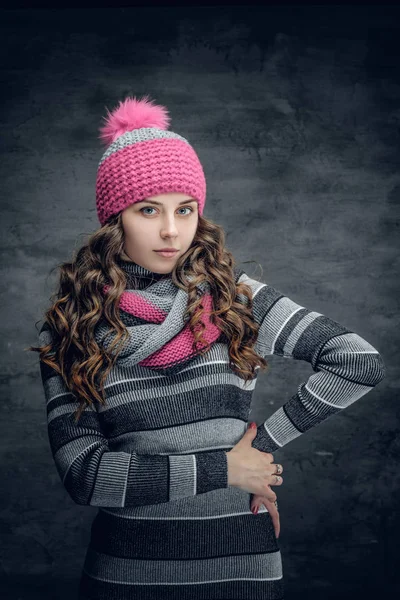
(79,304)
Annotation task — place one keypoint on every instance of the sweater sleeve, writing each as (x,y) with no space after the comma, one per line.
(346,366)
(95,475)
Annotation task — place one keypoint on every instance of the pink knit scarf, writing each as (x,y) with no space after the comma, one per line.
(159,336)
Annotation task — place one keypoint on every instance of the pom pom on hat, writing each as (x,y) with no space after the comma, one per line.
(133,114)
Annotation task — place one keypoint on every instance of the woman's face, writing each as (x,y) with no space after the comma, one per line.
(165,220)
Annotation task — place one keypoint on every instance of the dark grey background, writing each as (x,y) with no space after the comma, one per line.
(295,115)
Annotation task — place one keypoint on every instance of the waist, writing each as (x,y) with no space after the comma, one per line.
(217,503)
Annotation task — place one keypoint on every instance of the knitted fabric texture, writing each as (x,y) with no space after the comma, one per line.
(153,459)
(159,336)
(144,159)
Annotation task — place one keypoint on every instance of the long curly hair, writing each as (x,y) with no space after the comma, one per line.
(79,304)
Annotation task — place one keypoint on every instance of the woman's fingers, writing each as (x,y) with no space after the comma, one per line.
(256,502)
(276,480)
(269,498)
(273,511)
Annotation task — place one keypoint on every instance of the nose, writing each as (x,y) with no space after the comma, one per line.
(169,228)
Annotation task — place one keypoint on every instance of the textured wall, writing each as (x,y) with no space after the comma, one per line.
(295,115)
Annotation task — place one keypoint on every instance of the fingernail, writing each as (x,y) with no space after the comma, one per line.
(253,425)
(254,510)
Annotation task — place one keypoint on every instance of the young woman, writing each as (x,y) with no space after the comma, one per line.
(149,357)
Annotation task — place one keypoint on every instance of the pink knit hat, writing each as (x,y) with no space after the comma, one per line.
(144,159)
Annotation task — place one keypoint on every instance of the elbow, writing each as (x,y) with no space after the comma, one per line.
(372,370)
(79,477)
(82,501)
(75,484)
(78,487)
(380,369)
(78,496)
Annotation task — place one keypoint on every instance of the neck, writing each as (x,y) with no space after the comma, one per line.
(138,276)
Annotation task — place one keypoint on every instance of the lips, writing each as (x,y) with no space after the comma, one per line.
(167,253)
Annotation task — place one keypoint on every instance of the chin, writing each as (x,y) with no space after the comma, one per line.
(162,269)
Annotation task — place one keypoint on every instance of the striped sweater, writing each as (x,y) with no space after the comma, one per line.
(153,460)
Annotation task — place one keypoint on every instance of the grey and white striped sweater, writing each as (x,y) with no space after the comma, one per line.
(154,459)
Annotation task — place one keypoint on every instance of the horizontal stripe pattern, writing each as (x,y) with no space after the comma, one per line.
(137,136)
(106,567)
(153,459)
(144,538)
(347,366)
(233,589)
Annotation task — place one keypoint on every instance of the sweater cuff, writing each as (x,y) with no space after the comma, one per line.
(263,441)
(211,471)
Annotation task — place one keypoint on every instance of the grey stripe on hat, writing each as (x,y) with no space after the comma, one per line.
(144,134)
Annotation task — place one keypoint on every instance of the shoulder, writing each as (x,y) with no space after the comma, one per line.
(254,284)
(264,295)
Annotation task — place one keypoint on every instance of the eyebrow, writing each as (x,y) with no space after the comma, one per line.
(161,204)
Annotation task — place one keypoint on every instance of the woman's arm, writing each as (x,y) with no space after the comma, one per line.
(346,366)
(95,475)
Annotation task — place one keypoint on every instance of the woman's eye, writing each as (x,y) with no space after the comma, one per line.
(151,208)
